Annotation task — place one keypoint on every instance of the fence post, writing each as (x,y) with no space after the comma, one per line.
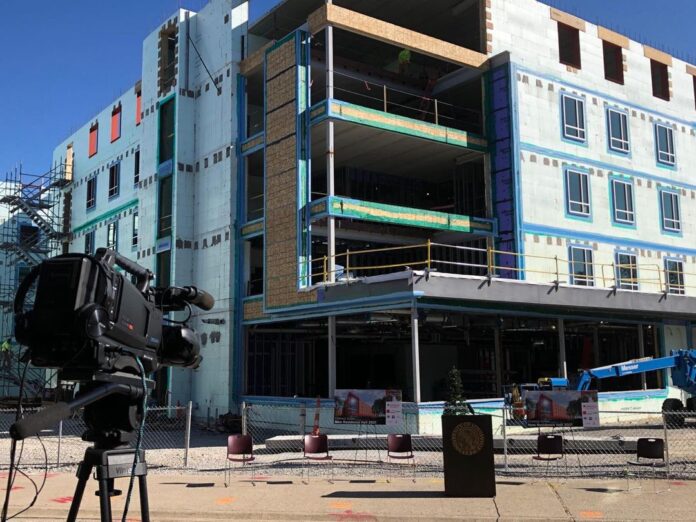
(489,260)
(347,273)
(429,255)
(437,114)
(60,440)
(385,97)
(245,420)
(505,448)
(325,261)
(558,277)
(665,431)
(303,418)
(187,432)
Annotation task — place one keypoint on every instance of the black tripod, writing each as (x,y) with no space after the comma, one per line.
(113,414)
(110,464)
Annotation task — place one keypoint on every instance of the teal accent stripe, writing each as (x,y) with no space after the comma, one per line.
(105,216)
(382,213)
(530,147)
(543,230)
(605,96)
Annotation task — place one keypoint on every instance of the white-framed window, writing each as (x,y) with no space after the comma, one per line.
(573,118)
(112,235)
(89,243)
(626,271)
(664,144)
(674,276)
(617,123)
(581,267)
(671,215)
(622,194)
(114,179)
(136,230)
(577,193)
(91,192)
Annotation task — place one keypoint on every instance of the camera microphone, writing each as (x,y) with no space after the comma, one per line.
(196,296)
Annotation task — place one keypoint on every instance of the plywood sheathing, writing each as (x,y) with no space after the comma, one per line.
(341,18)
(612,37)
(568,19)
(254,60)
(281,208)
(656,55)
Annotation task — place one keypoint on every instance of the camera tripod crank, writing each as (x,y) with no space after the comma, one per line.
(110,464)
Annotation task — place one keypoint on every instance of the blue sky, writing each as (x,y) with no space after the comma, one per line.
(62,61)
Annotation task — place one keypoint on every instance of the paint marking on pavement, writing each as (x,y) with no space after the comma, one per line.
(351,515)
(677,483)
(224,501)
(341,505)
(62,500)
(592,515)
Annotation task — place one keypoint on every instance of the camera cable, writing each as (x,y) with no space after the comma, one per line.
(14,465)
(15,460)
(138,442)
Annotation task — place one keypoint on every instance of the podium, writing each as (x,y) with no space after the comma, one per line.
(467,447)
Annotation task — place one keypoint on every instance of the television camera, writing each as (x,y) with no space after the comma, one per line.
(105,329)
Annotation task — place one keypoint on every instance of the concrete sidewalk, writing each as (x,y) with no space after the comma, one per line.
(204,497)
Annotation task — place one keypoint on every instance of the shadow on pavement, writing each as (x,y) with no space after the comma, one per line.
(386,494)
(603,490)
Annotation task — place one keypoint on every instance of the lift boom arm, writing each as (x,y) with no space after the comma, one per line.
(681,362)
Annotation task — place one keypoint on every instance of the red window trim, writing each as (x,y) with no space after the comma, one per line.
(138,108)
(116,124)
(93,139)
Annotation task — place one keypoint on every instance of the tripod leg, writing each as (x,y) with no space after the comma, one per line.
(104,500)
(83,472)
(144,503)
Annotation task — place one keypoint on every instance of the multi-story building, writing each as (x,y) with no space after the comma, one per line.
(378,191)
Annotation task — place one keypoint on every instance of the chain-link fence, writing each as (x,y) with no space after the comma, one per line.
(167,438)
(361,450)
(174,440)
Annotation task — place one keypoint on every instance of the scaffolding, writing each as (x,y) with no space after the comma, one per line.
(32,230)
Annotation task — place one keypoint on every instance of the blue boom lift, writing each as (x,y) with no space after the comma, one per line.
(682,364)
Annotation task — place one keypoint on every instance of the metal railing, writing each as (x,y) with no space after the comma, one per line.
(488,262)
(414,104)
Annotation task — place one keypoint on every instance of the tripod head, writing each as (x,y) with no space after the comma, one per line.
(112,411)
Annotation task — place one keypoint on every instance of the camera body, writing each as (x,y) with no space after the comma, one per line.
(90,320)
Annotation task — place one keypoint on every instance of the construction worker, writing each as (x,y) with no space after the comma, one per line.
(6,348)
(404,61)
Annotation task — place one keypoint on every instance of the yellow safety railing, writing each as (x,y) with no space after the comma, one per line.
(347,266)
(647,277)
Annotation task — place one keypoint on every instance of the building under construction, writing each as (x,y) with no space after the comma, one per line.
(378,191)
